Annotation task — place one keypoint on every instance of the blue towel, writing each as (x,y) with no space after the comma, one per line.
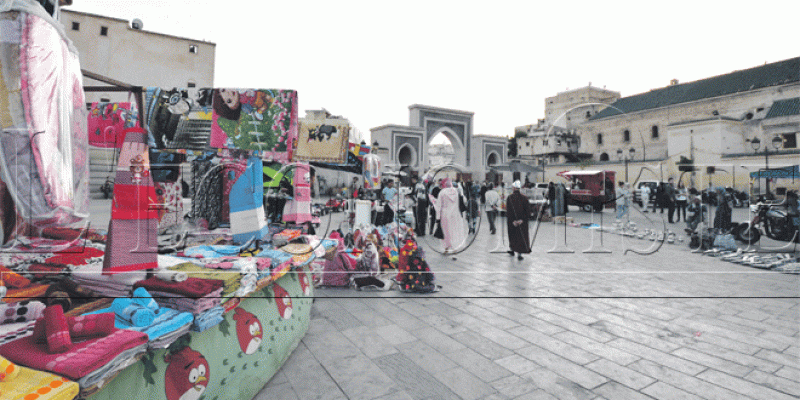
(132,313)
(166,321)
(142,297)
(208,319)
(215,251)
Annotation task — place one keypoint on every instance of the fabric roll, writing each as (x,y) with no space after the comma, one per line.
(56,329)
(171,276)
(8,370)
(142,297)
(191,287)
(13,279)
(80,327)
(23,311)
(133,313)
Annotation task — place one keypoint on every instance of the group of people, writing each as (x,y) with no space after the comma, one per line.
(679,202)
(667,196)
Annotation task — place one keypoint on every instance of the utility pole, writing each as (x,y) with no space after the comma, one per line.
(691,155)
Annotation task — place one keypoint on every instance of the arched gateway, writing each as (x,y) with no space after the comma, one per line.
(408,145)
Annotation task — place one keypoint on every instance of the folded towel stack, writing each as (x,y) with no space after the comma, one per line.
(208,319)
(132,313)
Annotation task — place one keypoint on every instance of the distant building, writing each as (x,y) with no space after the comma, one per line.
(117,49)
(711,121)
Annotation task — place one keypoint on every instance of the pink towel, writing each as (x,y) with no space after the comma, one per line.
(80,327)
(56,329)
(83,358)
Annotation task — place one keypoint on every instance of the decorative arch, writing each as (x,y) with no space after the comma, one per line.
(604,157)
(493,159)
(455,140)
(407,155)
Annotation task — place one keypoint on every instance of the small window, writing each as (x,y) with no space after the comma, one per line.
(105,100)
(588,114)
(654,132)
(76,26)
(544,142)
(191,84)
(103,31)
(790,140)
(527,144)
(626,136)
(604,157)
(599,138)
(194,49)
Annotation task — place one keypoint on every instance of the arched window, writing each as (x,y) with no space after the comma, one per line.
(604,157)
(599,138)
(626,135)
(406,155)
(654,132)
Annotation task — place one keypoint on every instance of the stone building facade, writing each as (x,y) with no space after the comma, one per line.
(710,121)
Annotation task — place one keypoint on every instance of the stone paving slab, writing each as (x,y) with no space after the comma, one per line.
(671,325)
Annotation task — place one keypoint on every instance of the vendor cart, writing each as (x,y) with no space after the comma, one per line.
(591,189)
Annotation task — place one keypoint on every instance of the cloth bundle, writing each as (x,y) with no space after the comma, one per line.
(192,287)
(232,280)
(190,305)
(18,382)
(12,279)
(132,313)
(171,276)
(79,327)
(208,319)
(215,251)
(30,292)
(23,311)
(82,359)
(165,321)
(118,285)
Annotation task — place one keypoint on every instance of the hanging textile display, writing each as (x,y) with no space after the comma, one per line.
(255,119)
(372,171)
(43,155)
(207,195)
(107,121)
(323,140)
(231,171)
(298,209)
(247,204)
(132,230)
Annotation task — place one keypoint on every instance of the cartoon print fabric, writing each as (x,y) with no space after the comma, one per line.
(107,121)
(323,141)
(255,119)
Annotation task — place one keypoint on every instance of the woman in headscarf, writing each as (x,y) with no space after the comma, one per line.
(449,214)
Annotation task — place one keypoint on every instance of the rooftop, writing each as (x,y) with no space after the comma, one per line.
(774,74)
(783,108)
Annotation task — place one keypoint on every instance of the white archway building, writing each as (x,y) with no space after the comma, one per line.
(408,145)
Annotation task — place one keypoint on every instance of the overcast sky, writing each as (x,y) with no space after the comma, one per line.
(369,60)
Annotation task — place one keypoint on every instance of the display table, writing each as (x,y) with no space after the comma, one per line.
(232,360)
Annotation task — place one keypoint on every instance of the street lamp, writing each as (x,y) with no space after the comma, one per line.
(626,158)
(755,143)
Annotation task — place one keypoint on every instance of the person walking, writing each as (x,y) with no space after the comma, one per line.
(389,194)
(421,208)
(622,196)
(645,197)
(681,201)
(492,206)
(433,194)
(518,213)
(551,198)
(670,194)
(447,209)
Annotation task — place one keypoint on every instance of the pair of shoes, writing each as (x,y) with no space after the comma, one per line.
(511,252)
(492,232)
(519,257)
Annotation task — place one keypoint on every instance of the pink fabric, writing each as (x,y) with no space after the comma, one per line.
(56,329)
(231,171)
(298,210)
(80,360)
(191,287)
(80,327)
(46,67)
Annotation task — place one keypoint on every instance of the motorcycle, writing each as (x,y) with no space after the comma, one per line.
(770,219)
(739,199)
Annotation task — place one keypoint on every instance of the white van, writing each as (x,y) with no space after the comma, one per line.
(637,193)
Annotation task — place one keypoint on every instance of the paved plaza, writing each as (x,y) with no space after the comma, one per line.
(669,325)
